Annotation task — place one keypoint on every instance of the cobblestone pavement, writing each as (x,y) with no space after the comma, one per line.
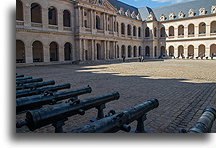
(183,87)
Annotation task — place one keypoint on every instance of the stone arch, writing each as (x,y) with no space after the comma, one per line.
(122,28)
(53,16)
(213,27)
(147,32)
(99,52)
(140,51)
(180,51)
(37,50)
(54,51)
(135,51)
(162,32)
(190,51)
(191,29)
(129,29)
(36,13)
(147,51)
(20,51)
(213,50)
(19,10)
(201,50)
(171,31)
(129,51)
(123,51)
(68,51)
(134,31)
(171,51)
(180,30)
(163,51)
(98,22)
(66,18)
(202,28)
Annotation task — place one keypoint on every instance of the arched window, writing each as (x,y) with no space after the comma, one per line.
(20,51)
(129,51)
(134,31)
(171,31)
(52,16)
(191,29)
(67,52)
(37,48)
(122,28)
(117,27)
(139,32)
(36,13)
(155,51)
(171,51)
(147,33)
(181,30)
(213,50)
(118,51)
(201,51)
(140,50)
(202,28)
(123,52)
(180,51)
(129,29)
(163,51)
(155,32)
(190,51)
(162,31)
(135,51)
(66,18)
(19,10)
(98,25)
(99,57)
(54,51)
(147,51)
(213,27)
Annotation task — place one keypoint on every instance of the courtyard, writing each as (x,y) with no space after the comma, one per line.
(183,87)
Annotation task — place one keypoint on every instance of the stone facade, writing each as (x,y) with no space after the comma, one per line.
(66,30)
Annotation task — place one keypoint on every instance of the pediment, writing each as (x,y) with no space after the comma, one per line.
(102,3)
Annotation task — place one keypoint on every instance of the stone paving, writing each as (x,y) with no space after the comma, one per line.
(183,87)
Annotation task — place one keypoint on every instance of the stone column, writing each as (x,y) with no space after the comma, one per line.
(186,32)
(104,21)
(113,23)
(46,53)
(60,20)
(107,24)
(27,14)
(105,50)
(208,30)
(92,50)
(196,31)
(28,53)
(108,50)
(45,17)
(94,19)
(196,52)
(207,51)
(61,52)
(176,51)
(176,32)
(82,16)
(185,51)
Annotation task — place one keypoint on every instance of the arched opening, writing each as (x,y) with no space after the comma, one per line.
(180,51)
(135,51)
(191,29)
(213,27)
(20,51)
(129,29)
(19,10)
(123,51)
(36,13)
(134,31)
(147,33)
(171,51)
(155,32)
(139,32)
(118,51)
(171,31)
(201,51)
(54,51)
(140,50)
(162,31)
(86,55)
(67,51)
(129,51)
(99,57)
(66,18)
(122,28)
(181,30)
(190,51)
(202,28)
(147,51)
(37,48)
(52,15)
(98,25)
(155,51)
(117,27)
(213,50)
(163,51)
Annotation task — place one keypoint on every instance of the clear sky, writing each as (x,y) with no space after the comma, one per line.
(151,3)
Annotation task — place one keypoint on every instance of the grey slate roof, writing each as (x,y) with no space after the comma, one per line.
(176,8)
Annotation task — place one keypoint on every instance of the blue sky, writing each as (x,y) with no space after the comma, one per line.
(151,3)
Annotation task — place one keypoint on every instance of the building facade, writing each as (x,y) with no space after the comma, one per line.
(72,30)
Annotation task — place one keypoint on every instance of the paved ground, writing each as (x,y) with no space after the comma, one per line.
(183,87)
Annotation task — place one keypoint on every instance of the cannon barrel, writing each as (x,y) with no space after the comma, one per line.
(205,122)
(35,85)
(29,103)
(121,120)
(23,78)
(45,116)
(42,90)
(28,81)
(18,76)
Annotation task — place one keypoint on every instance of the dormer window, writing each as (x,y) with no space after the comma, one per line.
(139,16)
(213,9)
(181,14)
(191,12)
(163,17)
(133,15)
(171,16)
(121,11)
(127,13)
(202,11)
(150,17)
